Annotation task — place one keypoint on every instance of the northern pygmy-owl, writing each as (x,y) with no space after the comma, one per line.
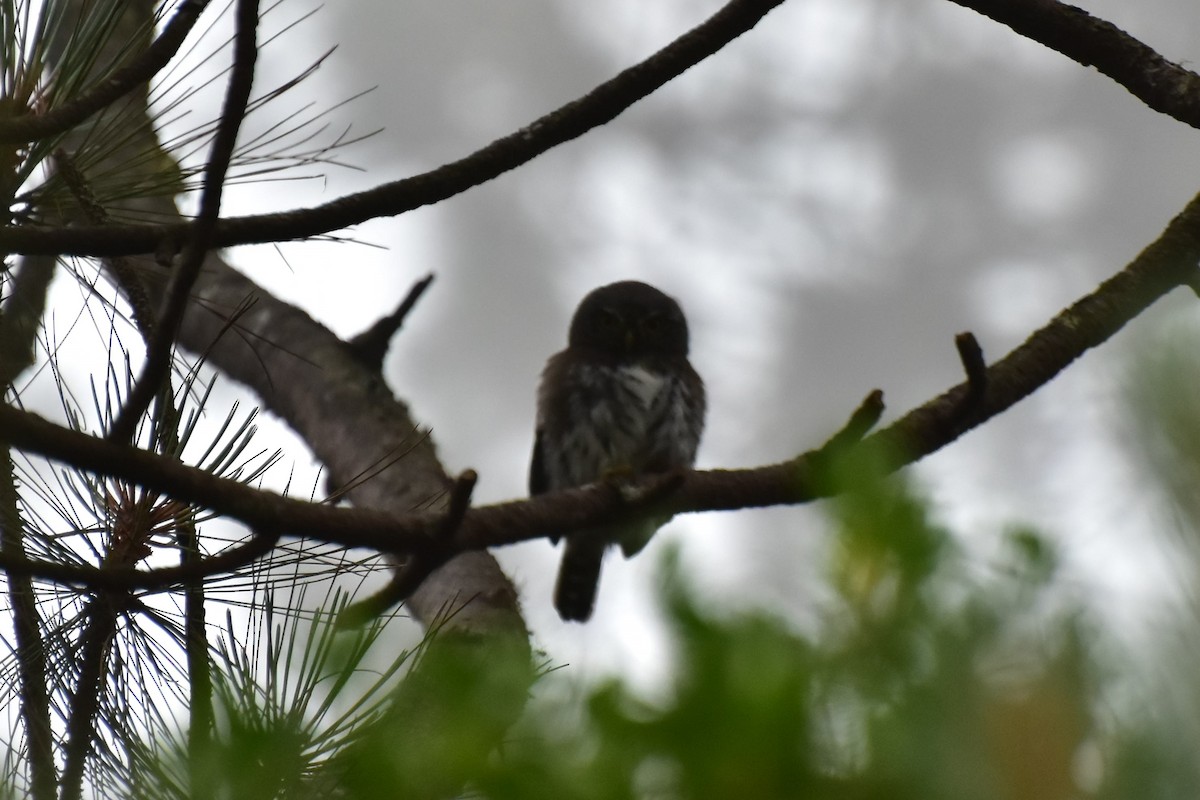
(621,401)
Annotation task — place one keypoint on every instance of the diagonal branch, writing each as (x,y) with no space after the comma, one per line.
(1163,85)
(158,351)
(1165,264)
(31,127)
(598,107)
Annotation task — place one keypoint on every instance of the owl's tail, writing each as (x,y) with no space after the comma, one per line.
(578,578)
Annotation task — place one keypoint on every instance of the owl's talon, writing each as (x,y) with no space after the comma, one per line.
(617,475)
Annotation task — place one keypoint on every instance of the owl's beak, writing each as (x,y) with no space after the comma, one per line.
(630,339)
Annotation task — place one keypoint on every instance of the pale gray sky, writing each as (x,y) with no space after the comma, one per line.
(832,199)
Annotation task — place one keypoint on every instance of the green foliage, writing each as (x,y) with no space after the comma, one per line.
(920,682)
(925,678)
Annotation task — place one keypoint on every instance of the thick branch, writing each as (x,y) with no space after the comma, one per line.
(601,105)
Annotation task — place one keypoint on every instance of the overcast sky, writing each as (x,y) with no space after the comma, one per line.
(832,198)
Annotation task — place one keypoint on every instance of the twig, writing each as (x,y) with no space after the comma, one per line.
(128,578)
(370,346)
(413,572)
(860,423)
(28,128)
(818,468)
(258,509)
(158,352)
(971,355)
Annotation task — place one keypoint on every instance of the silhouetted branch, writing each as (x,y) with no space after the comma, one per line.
(30,127)
(860,423)
(32,674)
(23,308)
(20,319)
(598,107)
(123,578)
(370,346)
(175,303)
(1168,262)
(971,355)
(416,568)
(101,616)
(1162,85)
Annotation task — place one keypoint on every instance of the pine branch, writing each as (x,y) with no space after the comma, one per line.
(31,651)
(101,616)
(1167,263)
(158,351)
(31,127)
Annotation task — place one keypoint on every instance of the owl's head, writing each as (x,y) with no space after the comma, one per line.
(630,319)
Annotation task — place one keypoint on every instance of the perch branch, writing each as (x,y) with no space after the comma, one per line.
(1168,262)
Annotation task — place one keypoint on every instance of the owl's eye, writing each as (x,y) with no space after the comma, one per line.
(609,320)
(653,323)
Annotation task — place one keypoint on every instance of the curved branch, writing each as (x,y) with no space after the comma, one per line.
(601,105)
(1162,85)
(1165,264)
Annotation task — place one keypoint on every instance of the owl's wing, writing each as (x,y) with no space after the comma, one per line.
(538,483)
(537,468)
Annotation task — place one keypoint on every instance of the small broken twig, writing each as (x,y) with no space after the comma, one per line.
(370,346)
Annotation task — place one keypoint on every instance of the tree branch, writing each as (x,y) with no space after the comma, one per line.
(92,660)
(1167,263)
(371,346)
(110,578)
(31,127)
(158,350)
(600,106)
(32,672)
(1162,85)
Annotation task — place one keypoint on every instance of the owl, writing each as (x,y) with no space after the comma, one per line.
(621,401)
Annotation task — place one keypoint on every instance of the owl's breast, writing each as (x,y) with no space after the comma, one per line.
(620,419)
